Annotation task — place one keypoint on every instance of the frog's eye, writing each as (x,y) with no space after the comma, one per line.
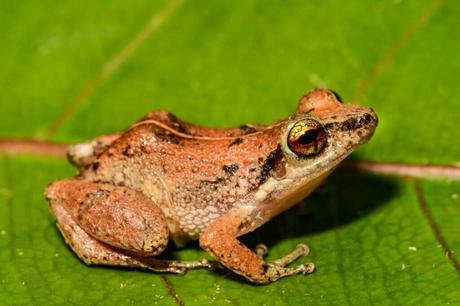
(307,138)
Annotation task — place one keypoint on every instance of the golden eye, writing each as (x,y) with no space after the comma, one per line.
(307,138)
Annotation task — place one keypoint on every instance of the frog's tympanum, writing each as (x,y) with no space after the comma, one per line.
(164,178)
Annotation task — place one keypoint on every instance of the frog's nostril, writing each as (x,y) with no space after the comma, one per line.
(368,119)
(373,116)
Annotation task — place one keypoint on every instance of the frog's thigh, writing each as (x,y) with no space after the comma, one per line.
(118,216)
(88,249)
(219,240)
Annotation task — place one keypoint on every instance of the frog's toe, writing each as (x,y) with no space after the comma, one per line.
(306,268)
(299,251)
(261,250)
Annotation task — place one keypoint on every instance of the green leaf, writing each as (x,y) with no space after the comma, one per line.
(374,240)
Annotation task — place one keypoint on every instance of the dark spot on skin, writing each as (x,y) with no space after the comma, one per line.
(95,166)
(177,124)
(230,169)
(260,160)
(247,129)
(127,151)
(212,182)
(265,267)
(167,136)
(237,141)
(241,227)
(145,148)
(270,162)
(187,199)
(252,169)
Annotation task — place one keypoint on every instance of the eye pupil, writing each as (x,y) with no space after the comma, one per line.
(307,138)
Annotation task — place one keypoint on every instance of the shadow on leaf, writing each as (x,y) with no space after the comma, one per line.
(343,198)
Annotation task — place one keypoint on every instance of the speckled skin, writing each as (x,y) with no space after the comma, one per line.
(166,178)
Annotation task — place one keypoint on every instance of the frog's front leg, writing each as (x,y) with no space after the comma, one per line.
(220,240)
(109,225)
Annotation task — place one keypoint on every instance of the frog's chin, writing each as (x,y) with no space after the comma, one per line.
(268,205)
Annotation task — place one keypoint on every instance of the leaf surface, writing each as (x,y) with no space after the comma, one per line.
(374,240)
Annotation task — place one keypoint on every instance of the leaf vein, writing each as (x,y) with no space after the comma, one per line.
(435,227)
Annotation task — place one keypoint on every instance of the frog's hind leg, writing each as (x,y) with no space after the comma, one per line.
(94,252)
(87,248)
(109,225)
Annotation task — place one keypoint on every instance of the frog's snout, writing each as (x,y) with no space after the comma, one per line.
(373,119)
(354,128)
(369,119)
(366,124)
(374,116)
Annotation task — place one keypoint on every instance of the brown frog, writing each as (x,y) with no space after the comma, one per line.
(164,178)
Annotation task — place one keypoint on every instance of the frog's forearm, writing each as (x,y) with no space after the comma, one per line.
(219,239)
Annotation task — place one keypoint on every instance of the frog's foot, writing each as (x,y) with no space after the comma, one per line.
(176,266)
(275,269)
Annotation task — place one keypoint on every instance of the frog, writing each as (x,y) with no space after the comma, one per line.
(164,179)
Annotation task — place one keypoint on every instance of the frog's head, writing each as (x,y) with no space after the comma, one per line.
(324,131)
(321,133)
